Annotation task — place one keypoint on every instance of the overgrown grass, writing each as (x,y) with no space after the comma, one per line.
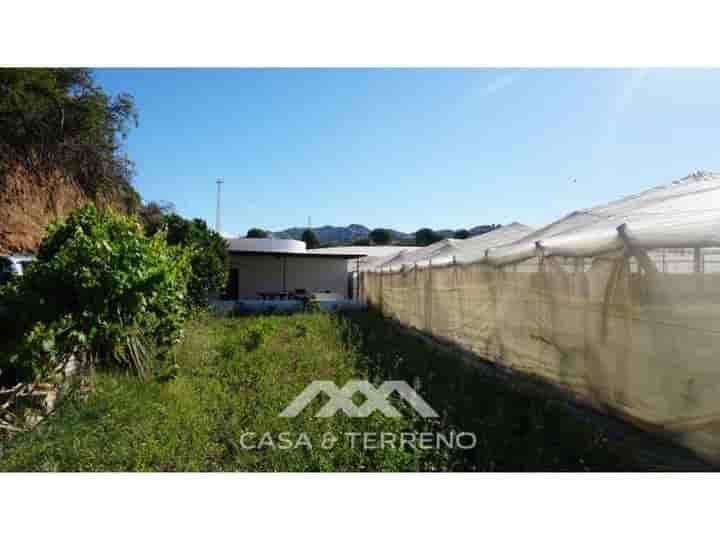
(234,376)
(516,430)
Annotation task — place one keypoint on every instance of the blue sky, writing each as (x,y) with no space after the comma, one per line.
(412,148)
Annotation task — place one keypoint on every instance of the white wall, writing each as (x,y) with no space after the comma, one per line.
(257,273)
(317,274)
(263,273)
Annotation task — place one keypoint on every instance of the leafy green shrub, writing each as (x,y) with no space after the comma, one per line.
(100,288)
(209,260)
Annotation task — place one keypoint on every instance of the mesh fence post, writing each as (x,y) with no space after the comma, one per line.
(416,296)
(664,345)
(458,308)
(698,269)
(646,263)
(428,298)
(380,290)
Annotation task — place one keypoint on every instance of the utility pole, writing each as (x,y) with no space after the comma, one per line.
(217,210)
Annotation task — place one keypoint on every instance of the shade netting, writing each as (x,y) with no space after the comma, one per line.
(618,304)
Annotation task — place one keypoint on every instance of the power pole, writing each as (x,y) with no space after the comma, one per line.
(217,210)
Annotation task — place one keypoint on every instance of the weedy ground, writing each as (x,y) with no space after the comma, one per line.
(233,377)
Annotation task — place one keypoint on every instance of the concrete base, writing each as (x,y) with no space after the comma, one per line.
(227,307)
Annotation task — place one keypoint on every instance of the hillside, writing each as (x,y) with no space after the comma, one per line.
(60,147)
(328,234)
(29,201)
(336,235)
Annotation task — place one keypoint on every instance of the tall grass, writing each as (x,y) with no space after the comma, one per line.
(515,430)
(234,376)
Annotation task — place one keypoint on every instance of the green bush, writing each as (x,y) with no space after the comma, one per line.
(100,288)
(209,259)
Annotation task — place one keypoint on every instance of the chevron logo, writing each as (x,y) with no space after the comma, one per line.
(376,399)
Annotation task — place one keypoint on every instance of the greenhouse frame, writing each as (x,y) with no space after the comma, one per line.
(619,304)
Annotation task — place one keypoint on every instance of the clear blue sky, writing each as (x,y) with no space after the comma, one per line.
(411,148)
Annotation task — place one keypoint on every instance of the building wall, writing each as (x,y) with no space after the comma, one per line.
(264,273)
(317,275)
(257,273)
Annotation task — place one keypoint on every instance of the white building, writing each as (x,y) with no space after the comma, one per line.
(274,268)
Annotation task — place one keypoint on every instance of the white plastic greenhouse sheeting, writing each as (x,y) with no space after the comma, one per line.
(619,304)
(449,250)
(685,213)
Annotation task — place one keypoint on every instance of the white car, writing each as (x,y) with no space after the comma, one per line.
(13,265)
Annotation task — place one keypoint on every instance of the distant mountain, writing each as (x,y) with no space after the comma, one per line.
(334,235)
(328,234)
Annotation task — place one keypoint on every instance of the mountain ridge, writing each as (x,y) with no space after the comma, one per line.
(335,234)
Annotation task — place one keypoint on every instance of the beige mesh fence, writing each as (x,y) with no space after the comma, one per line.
(625,325)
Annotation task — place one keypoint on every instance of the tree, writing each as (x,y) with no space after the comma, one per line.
(461,234)
(100,289)
(310,239)
(59,118)
(425,237)
(257,233)
(208,259)
(151,215)
(380,237)
(361,242)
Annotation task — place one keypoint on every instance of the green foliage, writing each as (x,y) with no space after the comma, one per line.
(380,237)
(310,239)
(100,287)
(425,237)
(461,234)
(234,376)
(59,118)
(257,233)
(209,259)
(151,215)
(361,242)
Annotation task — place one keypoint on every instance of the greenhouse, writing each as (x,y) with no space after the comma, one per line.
(619,304)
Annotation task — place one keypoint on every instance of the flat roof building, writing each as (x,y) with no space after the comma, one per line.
(272,268)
